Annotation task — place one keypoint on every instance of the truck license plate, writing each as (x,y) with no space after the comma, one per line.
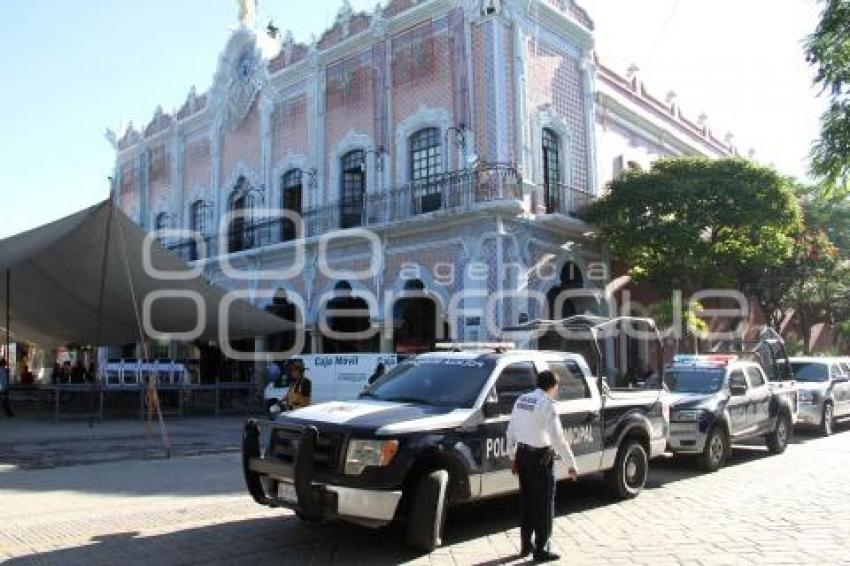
(286,492)
(678,429)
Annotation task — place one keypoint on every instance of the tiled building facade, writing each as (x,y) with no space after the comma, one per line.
(466,135)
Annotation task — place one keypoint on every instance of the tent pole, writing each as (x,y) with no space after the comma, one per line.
(104,265)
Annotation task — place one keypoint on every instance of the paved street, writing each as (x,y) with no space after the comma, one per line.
(761,509)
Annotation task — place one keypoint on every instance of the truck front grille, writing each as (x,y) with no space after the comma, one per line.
(284,443)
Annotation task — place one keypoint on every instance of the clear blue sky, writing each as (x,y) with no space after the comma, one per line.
(72,69)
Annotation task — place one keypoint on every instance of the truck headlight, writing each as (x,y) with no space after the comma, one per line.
(687,416)
(808,397)
(363,453)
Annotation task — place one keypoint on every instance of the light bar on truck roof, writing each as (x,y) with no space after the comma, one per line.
(461,346)
(716,359)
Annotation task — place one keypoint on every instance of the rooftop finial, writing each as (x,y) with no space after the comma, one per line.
(345,12)
(247,12)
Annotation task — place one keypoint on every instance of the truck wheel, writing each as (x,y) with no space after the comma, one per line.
(714,453)
(777,441)
(827,419)
(428,511)
(628,476)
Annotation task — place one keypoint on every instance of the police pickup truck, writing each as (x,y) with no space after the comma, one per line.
(431,434)
(719,399)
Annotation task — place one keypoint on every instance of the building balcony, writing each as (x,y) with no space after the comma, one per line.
(447,194)
(559,198)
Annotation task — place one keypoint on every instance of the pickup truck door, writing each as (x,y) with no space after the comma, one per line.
(759,405)
(514,380)
(579,407)
(738,404)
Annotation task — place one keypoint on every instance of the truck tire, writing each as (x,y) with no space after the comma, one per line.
(628,476)
(827,419)
(427,514)
(777,441)
(716,447)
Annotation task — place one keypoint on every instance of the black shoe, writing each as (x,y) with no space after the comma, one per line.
(545,556)
(525,550)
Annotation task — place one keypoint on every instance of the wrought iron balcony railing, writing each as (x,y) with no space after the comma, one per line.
(450,193)
(558,198)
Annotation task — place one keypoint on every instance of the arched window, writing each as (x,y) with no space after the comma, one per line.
(242,204)
(426,165)
(352,188)
(551,171)
(290,200)
(282,307)
(200,219)
(558,301)
(347,317)
(416,322)
(161,223)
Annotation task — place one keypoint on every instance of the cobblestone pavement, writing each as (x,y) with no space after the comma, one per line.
(761,509)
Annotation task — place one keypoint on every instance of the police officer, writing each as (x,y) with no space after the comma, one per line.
(535,436)
(300,387)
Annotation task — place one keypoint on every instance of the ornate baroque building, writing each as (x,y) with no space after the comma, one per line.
(466,135)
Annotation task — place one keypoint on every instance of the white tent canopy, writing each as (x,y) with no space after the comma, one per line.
(55,276)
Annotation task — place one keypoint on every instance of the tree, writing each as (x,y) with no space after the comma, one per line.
(694,222)
(690,316)
(814,282)
(818,283)
(828,50)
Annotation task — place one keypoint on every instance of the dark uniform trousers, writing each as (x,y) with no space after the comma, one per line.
(537,494)
(5,396)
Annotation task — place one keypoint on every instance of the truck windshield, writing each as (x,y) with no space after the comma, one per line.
(694,380)
(441,382)
(810,371)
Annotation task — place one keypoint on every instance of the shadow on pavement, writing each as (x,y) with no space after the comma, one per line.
(278,540)
(286,540)
(666,471)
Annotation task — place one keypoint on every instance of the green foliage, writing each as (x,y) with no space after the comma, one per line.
(828,50)
(794,346)
(690,315)
(696,222)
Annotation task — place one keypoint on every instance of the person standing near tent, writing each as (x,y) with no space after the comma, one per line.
(300,387)
(4,388)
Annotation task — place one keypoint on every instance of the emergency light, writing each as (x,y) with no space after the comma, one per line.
(718,359)
(460,346)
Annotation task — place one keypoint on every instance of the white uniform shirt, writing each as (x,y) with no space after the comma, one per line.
(534,422)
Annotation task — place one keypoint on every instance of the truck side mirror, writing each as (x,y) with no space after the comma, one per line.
(491,407)
(737,389)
